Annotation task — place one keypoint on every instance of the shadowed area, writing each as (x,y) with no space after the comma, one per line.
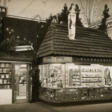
(42,107)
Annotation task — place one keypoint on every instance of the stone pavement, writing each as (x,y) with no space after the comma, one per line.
(43,107)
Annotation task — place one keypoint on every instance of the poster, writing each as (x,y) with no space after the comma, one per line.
(88,75)
(52,75)
(70,75)
(73,74)
(22,90)
(107,74)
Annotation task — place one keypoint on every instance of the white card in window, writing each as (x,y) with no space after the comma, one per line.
(0,70)
(2,76)
(5,81)
(4,70)
(7,65)
(8,86)
(7,76)
(2,65)
(0,81)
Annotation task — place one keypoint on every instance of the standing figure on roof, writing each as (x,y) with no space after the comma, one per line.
(72,22)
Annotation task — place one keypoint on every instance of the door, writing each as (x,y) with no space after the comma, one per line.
(21,83)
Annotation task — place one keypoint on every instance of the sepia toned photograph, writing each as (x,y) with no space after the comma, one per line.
(55,55)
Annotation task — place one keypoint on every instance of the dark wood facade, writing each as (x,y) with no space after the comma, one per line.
(16,66)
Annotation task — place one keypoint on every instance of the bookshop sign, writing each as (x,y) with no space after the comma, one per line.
(89,75)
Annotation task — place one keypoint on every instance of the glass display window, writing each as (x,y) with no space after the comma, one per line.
(52,75)
(5,75)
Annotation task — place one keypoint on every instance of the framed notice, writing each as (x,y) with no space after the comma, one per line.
(22,89)
(73,72)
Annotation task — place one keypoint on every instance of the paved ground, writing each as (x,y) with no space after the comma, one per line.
(42,107)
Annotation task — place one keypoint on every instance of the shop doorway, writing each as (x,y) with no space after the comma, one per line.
(21,83)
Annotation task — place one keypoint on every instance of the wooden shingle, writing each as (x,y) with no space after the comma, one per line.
(88,42)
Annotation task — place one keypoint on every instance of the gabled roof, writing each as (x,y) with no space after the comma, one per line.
(89,42)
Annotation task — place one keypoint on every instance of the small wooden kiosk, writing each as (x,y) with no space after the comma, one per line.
(75,70)
(16,57)
(15,86)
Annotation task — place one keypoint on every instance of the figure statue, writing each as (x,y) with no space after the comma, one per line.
(106,11)
(63,16)
(78,20)
(103,26)
(107,76)
(72,22)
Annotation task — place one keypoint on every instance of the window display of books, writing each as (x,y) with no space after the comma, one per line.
(5,75)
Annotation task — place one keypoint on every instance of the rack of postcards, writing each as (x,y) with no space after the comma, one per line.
(5,75)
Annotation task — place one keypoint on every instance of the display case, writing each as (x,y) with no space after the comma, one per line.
(5,75)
